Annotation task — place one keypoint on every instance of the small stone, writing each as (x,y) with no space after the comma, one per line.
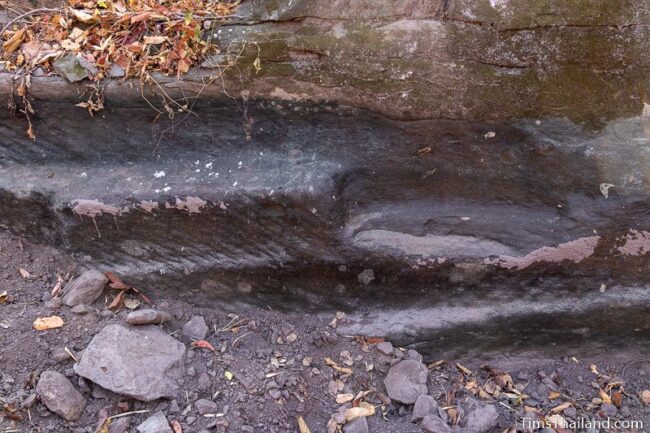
(60,355)
(82,309)
(29,402)
(195,328)
(204,407)
(434,424)
(85,289)
(385,347)
(406,381)
(116,71)
(481,417)
(120,425)
(70,68)
(414,354)
(53,304)
(60,396)
(608,409)
(204,382)
(359,425)
(148,317)
(157,423)
(425,405)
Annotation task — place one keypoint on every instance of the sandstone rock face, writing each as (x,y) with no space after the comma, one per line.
(143,362)
(60,396)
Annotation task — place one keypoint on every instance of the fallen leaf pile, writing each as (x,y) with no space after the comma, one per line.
(101,38)
(134,35)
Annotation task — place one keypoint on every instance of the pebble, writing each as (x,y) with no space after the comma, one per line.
(385,347)
(204,407)
(85,289)
(120,425)
(434,424)
(82,309)
(148,317)
(157,423)
(359,425)
(608,409)
(60,396)
(424,406)
(195,328)
(60,355)
(406,381)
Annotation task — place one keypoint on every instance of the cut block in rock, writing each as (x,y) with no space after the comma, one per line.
(406,381)
(359,425)
(60,396)
(140,362)
(195,328)
(148,317)
(85,289)
(157,423)
(434,424)
(425,405)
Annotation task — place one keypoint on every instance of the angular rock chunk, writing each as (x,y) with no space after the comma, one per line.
(425,405)
(143,362)
(434,424)
(406,381)
(60,396)
(70,68)
(85,289)
(195,328)
(157,423)
(480,417)
(204,407)
(359,425)
(148,317)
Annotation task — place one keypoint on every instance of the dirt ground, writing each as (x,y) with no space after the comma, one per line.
(269,368)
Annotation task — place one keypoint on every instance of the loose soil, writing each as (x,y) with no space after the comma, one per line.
(268,367)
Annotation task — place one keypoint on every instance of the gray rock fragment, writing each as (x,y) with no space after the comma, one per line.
(157,423)
(424,406)
(70,68)
(359,425)
(195,328)
(434,424)
(148,317)
(60,396)
(406,381)
(85,289)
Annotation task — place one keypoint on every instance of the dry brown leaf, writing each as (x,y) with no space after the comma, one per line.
(335,366)
(14,41)
(645,396)
(117,302)
(344,398)
(45,323)
(176,426)
(364,409)
(560,408)
(464,369)
(332,426)
(4,297)
(57,287)
(23,273)
(617,399)
(155,40)
(131,303)
(604,397)
(553,395)
(202,344)
(302,425)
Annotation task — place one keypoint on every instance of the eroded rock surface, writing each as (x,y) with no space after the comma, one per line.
(143,362)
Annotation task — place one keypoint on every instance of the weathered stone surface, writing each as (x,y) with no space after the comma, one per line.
(142,362)
(359,425)
(434,424)
(148,317)
(60,396)
(385,347)
(157,423)
(480,417)
(406,381)
(195,328)
(85,289)
(425,405)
